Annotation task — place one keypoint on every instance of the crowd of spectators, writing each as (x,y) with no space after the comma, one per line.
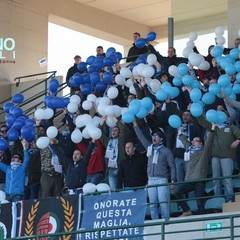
(144,152)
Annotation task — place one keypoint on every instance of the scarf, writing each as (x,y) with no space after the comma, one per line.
(65,133)
(15,165)
(112,152)
(154,149)
(191,150)
(55,162)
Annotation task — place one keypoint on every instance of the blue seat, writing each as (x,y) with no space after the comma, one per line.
(214,204)
(209,187)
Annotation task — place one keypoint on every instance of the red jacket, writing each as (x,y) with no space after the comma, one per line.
(96,160)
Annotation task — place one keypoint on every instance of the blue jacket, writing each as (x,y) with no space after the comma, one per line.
(15,178)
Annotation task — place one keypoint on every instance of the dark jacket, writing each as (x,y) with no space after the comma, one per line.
(135,51)
(34,170)
(71,71)
(133,171)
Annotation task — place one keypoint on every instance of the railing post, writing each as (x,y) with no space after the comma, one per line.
(231,228)
(162,231)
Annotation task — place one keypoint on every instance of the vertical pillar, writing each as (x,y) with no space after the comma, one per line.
(170,31)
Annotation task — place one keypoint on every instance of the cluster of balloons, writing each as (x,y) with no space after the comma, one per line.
(141,42)
(90,188)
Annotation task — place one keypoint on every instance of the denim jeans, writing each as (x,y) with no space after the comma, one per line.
(181,168)
(159,198)
(14,198)
(199,189)
(222,167)
(95,178)
(112,178)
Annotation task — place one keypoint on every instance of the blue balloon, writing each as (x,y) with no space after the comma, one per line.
(236,88)
(30,122)
(174,92)
(208,98)
(211,116)
(128,117)
(222,117)
(196,84)
(214,88)
(48,101)
(224,62)
(74,82)
(175,121)
(230,69)
(18,124)
(161,95)
(90,60)
(86,89)
(165,85)
(107,78)
(113,56)
(141,59)
(12,134)
(238,78)
(98,64)
(66,101)
(27,133)
(142,113)
(151,36)
(196,109)
(237,66)
(132,66)
(78,77)
(82,66)
(101,86)
(217,51)
(227,90)
(10,118)
(146,102)
(182,69)
(7,107)
(53,85)
(177,81)
(234,53)
(119,56)
(17,112)
(110,50)
(94,78)
(86,78)
(17,98)
(91,69)
(108,61)
(3,145)
(233,96)
(57,102)
(187,80)
(195,94)
(224,80)
(140,42)
(134,106)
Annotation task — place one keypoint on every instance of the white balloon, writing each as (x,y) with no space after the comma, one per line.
(95,133)
(187,51)
(132,90)
(110,122)
(89,188)
(48,113)
(79,122)
(148,81)
(42,142)
(124,109)
(85,133)
(86,119)
(193,36)
(219,31)
(72,107)
(2,195)
(112,92)
(103,187)
(52,132)
(87,105)
(135,72)
(220,40)
(151,59)
(195,58)
(105,100)
(190,44)
(155,85)
(40,114)
(96,120)
(172,70)
(101,109)
(125,72)
(76,99)
(129,83)
(117,110)
(204,65)
(140,68)
(91,97)
(4,201)
(109,110)
(119,80)
(76,136)
(148,71)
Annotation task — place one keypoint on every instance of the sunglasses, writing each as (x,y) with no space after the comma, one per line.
(155,136)
(3,131)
